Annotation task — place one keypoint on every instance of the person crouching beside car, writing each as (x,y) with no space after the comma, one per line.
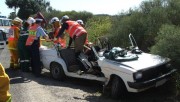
(56,27)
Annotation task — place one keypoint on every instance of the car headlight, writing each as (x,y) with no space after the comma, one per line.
(137,75)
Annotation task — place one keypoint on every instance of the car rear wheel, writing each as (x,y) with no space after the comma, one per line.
(118,88)
(57,71)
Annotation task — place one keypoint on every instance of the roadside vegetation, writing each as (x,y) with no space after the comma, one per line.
(155,25)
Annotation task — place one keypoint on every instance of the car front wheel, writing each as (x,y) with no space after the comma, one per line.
(57,71)
(118,88)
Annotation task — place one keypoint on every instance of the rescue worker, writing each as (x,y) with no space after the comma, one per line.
(5,96)
(82,24)
(56,27)
(22,49)
(76,33)
(33,42)
(87,44)
(13,40)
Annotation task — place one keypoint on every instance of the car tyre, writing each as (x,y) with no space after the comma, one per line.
(57,71)
(118,88)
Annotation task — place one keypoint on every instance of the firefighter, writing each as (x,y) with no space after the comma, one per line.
(56,27)
(33,42)
(5,96)
(22,49)
(76,33)
(13,40)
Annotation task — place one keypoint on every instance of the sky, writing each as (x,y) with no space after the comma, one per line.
(110,7)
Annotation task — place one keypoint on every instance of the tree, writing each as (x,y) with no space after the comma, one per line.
(98,26)
(28,7)
(12,4)
(167,43)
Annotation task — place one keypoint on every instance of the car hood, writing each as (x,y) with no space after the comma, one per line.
(146,60)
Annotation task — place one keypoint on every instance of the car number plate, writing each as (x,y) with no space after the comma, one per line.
(161,82)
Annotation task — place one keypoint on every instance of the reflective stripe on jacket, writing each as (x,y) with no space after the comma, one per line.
(13,33)
(75,29)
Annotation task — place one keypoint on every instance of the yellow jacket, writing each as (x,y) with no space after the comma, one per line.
(13,39)
(5,96)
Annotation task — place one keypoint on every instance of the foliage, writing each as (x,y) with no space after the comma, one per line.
(28,7)
(83,15)
(167,43)
(98,26)
(123,25)
(144,22)
(173,9)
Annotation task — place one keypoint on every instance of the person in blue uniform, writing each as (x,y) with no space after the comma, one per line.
(33,41)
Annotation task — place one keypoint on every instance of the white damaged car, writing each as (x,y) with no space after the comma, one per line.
(120,70)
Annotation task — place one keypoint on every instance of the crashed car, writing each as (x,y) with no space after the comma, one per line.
(120,70)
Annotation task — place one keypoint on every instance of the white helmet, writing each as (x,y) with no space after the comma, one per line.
(31,20)
(64,18)
(54,19)
(80,22)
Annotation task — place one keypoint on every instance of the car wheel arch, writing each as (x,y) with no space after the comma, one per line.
(60,75)
(108,87)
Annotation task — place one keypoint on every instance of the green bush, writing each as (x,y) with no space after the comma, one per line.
(167,43)
(98,26)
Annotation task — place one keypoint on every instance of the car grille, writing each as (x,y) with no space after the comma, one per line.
(155,72)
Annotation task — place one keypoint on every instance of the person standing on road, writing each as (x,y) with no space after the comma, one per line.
(5,96)
(13,40)
(22,49)
(33,42)
(56,27)
(76,33)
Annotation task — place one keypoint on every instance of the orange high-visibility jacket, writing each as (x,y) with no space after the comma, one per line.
(32,35)
(75,29)
(62,41)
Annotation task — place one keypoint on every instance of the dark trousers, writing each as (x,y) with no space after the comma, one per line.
(35,58)
(23,53)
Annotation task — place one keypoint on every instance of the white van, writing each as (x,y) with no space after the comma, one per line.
(5,24)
